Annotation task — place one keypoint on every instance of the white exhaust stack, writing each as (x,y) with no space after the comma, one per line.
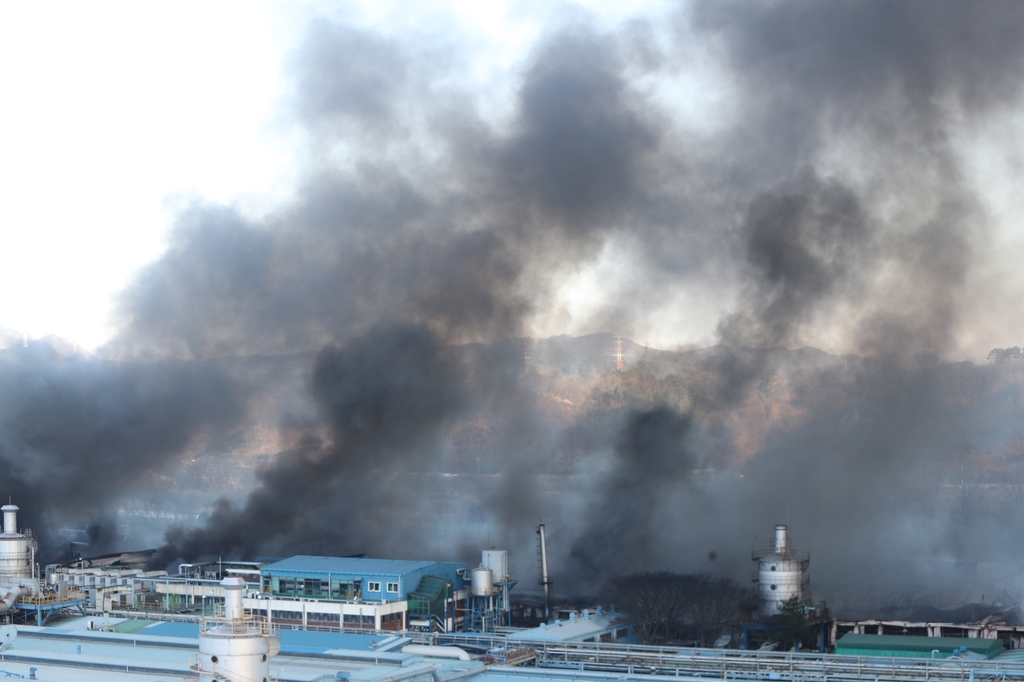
(781,539)
(10,519)
(233,590)
(235,647)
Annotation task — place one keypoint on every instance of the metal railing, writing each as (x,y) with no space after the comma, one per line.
(246,625)
(785,555)
(761,665)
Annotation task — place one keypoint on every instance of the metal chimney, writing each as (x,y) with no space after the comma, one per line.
(10,519)
(545,580)
(781,539)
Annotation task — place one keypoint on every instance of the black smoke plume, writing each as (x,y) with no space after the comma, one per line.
(823,198)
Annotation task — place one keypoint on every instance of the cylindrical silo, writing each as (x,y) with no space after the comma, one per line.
(482,582)
(780,573)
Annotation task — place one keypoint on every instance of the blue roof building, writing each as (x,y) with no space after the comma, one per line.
(356,592)
(350,578)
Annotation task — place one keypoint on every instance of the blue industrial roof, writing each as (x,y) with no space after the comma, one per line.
(294,641)
(171,629)
(327,564)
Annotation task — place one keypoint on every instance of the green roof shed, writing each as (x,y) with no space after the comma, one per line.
(914,647)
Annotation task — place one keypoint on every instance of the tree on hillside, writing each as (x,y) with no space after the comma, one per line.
(997,355)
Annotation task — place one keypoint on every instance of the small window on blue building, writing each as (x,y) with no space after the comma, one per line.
(373,586)
(393,587)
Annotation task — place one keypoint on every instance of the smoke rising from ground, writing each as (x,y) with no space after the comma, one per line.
(830,204)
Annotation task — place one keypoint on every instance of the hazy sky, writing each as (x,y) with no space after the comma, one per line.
(117,116)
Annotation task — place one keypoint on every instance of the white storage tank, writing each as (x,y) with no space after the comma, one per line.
(235,647)
(497,561)
(17,550)
(780,573)
(482,582)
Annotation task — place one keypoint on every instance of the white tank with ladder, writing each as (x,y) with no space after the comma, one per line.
(780,573)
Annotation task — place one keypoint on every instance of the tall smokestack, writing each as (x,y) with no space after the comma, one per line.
(542,546)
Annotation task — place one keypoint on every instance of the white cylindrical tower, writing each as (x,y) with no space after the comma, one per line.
(17,550)
(780,573)
(497,561)
(235,647)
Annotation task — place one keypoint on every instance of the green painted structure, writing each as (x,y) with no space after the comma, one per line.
(914,647)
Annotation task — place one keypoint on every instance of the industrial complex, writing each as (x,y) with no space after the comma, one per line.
(308,618)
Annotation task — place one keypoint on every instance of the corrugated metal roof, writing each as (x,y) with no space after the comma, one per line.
(327,564)
(905,645)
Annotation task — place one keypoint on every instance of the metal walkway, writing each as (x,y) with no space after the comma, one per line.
(602,659)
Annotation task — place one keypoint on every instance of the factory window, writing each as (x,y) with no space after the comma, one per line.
(352,619)
(368,620)
(621,632)
(286,586)
(373,586)
(324,617)
(266,583)
(341,589)
(312,588)
(393,587)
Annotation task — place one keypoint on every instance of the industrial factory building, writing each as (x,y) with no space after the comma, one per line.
(308,618)
(375,594)
(314,592)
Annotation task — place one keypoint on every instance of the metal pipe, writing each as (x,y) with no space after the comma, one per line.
(436,651)
(11,593)
(545,580)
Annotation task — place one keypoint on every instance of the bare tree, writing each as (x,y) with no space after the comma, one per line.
(668,605)
(716,605)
